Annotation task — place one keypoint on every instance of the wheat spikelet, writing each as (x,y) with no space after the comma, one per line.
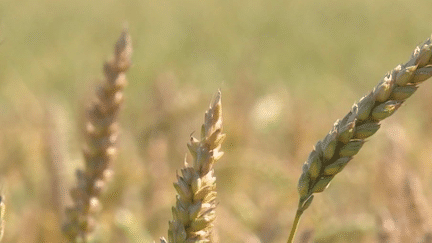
(331,154)
(194,212)
(101,135)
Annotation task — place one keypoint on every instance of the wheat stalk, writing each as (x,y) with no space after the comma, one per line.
(101,134)
(194,212)
(331,154)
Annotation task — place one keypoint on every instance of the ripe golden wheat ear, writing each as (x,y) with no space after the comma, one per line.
(101,135)
(331,154)
(194,212)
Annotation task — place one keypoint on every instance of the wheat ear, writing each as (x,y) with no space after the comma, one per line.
(194,212)
(101,135)
(332,154)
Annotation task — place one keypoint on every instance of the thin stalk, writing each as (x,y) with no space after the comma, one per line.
(295,225)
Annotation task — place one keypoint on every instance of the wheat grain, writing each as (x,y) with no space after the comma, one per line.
(101,135)
(331,154)
(194,212)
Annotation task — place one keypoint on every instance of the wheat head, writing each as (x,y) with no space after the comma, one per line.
(194,212)
(101,135)
(331,154)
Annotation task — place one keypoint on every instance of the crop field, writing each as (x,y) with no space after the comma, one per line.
(286,71)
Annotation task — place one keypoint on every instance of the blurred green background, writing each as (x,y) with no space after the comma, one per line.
(287,71)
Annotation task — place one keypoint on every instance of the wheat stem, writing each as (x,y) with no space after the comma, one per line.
(331,154)
(295,225)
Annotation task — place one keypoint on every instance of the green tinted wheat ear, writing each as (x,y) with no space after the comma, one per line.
(101,135)
(194,212)
(332,154)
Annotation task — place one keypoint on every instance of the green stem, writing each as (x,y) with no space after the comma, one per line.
(295,225)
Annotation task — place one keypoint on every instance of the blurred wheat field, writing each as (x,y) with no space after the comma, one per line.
(287,71)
